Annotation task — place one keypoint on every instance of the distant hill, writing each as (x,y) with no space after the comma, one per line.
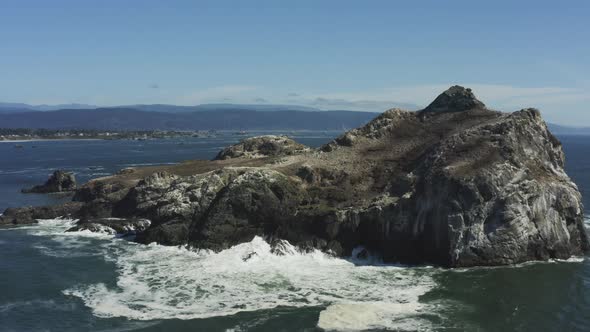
(200,117)
(165,108)
(566,130)
(21,107)
(133,119)
(219,107)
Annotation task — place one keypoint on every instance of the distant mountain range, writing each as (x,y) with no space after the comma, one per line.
(21,107)
(566,130)
(220,107)
(199,117)
(133,119)
(165,108)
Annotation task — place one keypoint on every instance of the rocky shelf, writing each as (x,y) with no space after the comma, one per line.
(455,184)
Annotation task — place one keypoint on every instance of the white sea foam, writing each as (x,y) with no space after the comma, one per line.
(66,244)
(56,228)
(361,316)
(159,282)
(48,227)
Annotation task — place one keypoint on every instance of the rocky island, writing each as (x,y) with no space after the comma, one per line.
(455,184)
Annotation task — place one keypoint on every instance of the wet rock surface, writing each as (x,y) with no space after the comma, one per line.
(112,226)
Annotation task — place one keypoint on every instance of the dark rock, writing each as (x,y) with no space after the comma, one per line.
(362,254)
(59,181)
(94,190)
(30,214)
(257,202)
(172,233)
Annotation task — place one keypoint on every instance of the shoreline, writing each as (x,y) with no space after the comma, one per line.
(50,139)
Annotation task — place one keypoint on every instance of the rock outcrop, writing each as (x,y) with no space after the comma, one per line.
(262,146)
(59,181)
(455,99)
(455,184)
(30,214)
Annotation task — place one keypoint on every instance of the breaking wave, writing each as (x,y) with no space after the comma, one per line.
(160,282)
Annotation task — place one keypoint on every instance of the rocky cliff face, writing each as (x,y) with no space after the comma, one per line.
(455,184)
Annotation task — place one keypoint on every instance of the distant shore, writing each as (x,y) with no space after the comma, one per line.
(28,135)
(48,139)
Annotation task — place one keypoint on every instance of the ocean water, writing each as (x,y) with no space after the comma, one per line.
(56,281)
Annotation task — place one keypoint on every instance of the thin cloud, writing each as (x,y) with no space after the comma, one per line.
(359,105)
(260,100)
(154,86)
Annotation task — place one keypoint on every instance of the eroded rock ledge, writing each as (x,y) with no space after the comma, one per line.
(455,184)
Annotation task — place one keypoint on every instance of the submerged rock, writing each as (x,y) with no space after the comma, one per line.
(59,181)
(455,184)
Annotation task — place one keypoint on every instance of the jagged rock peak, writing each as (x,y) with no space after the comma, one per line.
(455,99)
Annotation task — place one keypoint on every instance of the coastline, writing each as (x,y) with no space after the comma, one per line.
(50,139)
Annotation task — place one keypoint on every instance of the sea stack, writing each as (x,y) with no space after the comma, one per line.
(455,184)
(59,181)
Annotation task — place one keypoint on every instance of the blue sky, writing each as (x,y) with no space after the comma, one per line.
(362,55)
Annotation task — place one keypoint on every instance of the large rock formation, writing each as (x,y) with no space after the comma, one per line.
(59,181)
(455,184)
